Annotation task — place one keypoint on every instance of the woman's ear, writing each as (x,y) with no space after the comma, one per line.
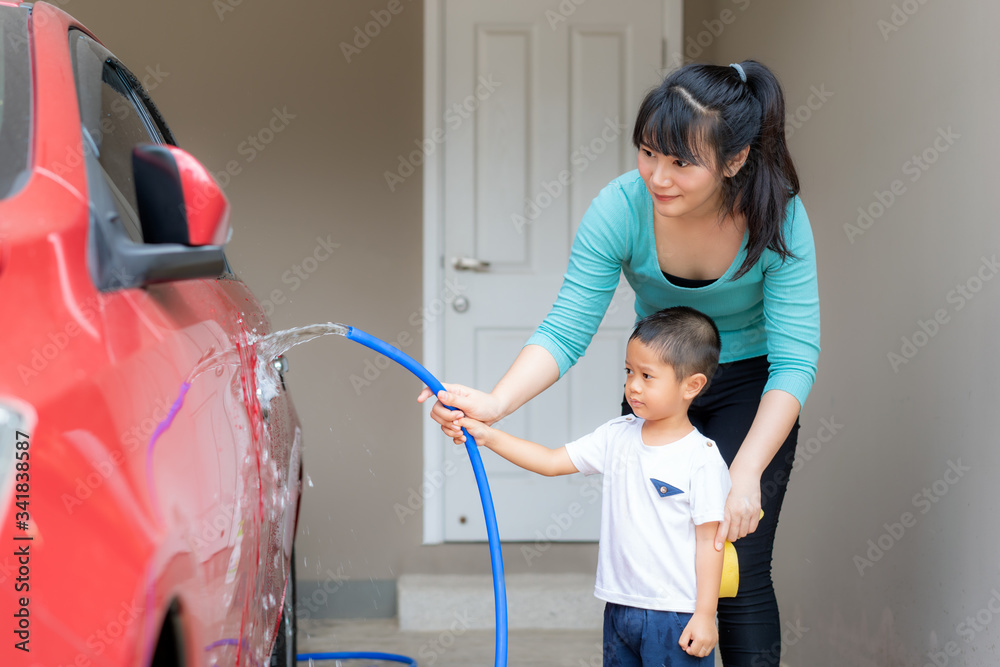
(734,165)
(693,384)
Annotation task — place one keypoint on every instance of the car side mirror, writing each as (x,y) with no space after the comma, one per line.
(178,200)
(183,214)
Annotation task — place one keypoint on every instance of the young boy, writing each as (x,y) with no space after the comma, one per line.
(665,487)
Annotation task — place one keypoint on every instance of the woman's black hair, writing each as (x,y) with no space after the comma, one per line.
(710,108)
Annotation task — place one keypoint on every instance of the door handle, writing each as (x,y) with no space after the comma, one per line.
(470,264)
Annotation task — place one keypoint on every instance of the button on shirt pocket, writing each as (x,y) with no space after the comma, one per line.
(663,488)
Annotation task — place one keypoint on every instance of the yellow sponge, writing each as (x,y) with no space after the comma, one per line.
(731,570)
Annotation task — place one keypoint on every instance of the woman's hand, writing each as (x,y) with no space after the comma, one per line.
(776,415)
(532,372)
(468,402)
(742,508)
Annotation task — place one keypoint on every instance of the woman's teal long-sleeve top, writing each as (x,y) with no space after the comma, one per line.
(772,310)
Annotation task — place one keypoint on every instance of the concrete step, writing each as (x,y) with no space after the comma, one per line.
(463,602)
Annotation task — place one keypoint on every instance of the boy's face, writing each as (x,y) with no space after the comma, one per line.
(651,387)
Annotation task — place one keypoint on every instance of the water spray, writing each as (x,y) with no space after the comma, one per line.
(496,558)
(268,348)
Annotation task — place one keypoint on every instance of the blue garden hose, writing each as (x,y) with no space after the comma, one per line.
(359,655)
(496,558)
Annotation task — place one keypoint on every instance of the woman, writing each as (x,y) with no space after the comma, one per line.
(710,219)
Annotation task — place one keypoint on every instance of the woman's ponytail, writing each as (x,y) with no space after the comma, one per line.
(771,180)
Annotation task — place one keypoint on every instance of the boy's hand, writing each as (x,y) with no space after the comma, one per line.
(700,635)
(477,429)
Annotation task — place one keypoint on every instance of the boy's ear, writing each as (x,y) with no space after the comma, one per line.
(693,384)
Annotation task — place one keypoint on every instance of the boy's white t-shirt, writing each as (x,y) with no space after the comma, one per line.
(653,498)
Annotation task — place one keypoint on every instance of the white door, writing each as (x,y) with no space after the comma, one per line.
(538,104)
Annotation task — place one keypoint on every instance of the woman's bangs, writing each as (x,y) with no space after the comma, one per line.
(672,129)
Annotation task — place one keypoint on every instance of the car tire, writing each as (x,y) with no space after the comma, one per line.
(284,652)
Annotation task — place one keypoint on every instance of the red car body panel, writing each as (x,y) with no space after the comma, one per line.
(133,510)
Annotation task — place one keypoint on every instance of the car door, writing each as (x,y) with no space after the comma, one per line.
(223,471)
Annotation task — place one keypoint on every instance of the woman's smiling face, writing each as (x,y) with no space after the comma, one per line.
(679,188)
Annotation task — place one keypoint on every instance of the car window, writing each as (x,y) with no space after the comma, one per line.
(116,115)
(15,99)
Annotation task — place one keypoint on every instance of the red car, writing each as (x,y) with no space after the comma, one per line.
(146,515)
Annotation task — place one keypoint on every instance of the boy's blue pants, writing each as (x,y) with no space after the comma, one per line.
(636,637)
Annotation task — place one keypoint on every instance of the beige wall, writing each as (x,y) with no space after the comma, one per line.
(895,431)
(700,33)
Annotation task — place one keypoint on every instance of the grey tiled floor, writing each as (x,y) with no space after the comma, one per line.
(469,648)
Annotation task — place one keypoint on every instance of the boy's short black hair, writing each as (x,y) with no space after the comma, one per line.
(685,338)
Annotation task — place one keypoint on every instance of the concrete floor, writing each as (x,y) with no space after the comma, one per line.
(451,648)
